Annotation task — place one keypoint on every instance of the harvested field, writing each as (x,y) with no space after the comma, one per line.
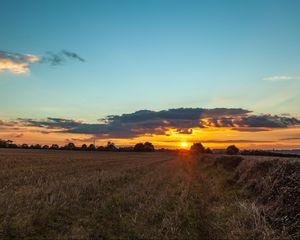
(275,185)
(95,195)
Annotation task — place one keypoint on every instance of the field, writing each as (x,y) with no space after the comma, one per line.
(98,195)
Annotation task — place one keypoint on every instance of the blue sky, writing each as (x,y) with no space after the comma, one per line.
(151,55)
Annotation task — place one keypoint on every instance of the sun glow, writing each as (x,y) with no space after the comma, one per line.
(183,144)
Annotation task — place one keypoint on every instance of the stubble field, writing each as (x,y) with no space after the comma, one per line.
(107,195)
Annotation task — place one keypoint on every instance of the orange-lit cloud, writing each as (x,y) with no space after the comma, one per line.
(18,65)
(168,122)
(215,128)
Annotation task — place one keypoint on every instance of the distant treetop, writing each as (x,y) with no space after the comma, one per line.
(232,150)
(197,148)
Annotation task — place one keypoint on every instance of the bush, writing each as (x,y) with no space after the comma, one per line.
(232,150)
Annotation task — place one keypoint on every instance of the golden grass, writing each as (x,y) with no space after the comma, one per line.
(98,195)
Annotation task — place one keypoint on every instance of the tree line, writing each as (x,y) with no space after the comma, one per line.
(110,146)
(196,148)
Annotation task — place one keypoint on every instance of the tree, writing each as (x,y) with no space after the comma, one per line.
(144,147)
(208,150)
(54,147)
(101,148)
(125,149)
(3,143)
(110,146)
(92,147)
(139,147)
(148,147)
(232,150)
(24,146)
(70,146)
(84,147)
(13,145)
(197,148)
(45,147)
(36,146)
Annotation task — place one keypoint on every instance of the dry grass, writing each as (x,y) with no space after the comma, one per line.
(275,183)
(98,195)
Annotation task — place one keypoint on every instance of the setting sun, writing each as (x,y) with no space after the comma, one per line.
(183,144)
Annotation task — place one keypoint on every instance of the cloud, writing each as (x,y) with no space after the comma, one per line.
(8,123)
(20,63)
(20,135)
(16,63)
(51,123)
(251,129)
(83,140)
(267,121)
(291,139)
(182,120)
(59,58)
(279,78)
(72,55)
(234,141)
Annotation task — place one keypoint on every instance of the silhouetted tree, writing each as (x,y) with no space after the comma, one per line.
(232,150)
(101,148)
(70,146)
(92,147)
(5,143)
(148,147)
(24,146)
(84,147)
(36,146)
(54,147)
(125,149)
(110,146)
(208,150)
(45,147)
(13,145)
(197,148)
(139,147)
(144,147)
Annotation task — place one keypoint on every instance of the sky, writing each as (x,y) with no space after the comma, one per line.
(66,67)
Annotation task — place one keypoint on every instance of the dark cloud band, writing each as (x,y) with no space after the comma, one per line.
(183,120)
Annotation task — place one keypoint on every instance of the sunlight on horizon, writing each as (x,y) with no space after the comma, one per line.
(183,144)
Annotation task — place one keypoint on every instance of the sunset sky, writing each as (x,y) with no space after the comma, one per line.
(216,72)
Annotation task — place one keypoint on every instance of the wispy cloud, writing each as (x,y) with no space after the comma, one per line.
(59,58)
(20,135)
(279,78)
(291,139)
(235,141)
(18,63)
